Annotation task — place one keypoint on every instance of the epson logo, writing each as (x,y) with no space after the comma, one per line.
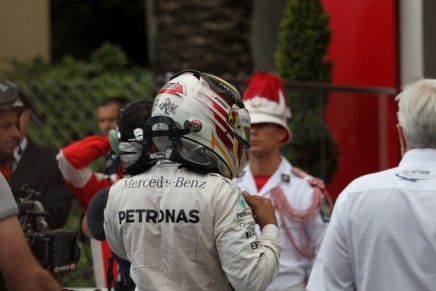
(255,245)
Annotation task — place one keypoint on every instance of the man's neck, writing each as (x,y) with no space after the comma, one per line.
(5,161)
(264,165)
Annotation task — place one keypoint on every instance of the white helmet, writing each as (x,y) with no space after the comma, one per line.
(199,120)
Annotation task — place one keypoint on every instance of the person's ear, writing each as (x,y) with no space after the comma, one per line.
(23,121)
(282,134)
(291,135)
(402,139)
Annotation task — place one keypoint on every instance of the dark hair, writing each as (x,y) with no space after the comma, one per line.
(120,100)
(23,97)
(133,116)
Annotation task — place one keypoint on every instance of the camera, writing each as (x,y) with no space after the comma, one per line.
(56,249)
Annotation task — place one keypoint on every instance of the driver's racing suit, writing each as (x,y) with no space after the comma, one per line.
(183,230)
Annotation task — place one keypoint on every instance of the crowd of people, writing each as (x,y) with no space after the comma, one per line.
(195,194)
(74,162)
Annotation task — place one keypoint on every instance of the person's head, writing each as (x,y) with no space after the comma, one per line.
(417,115)
(107,113)
(133,116)
(10,108)
(199,121)
(130,118)
(265,100)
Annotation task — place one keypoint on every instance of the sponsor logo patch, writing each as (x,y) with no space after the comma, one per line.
(255,245)
(173,88)
(158,216)
(162,182)
(242,200)
(243,214)
(249,234)
(415,175)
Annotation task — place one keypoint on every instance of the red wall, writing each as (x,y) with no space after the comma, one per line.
(364,52)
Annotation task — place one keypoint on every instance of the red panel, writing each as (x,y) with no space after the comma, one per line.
(364,52)
(364,41)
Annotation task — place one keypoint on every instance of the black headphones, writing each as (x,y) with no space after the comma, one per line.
(114,140)
(115,134)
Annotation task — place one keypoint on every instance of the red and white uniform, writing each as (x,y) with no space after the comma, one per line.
(74,161)
(301,223)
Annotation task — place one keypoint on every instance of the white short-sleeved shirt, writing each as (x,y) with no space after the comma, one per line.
(382,235)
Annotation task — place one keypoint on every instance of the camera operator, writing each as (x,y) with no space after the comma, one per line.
(18,266)
(23,162)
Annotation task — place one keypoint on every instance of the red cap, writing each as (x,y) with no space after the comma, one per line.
(265,100)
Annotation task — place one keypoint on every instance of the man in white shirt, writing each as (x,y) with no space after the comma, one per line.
(382,232)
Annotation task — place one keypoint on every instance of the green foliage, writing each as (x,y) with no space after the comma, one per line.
(106,62)
(65,95)
(303,40)
(304,37)
(109,57)
(83,276)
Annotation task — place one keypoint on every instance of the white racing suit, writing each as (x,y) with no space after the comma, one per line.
(187,231)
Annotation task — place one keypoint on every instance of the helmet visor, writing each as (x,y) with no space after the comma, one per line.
(218,85)
(240,120)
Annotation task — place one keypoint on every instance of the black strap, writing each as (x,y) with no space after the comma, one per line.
(110,273)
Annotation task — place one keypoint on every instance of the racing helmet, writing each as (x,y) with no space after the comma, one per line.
(199,121)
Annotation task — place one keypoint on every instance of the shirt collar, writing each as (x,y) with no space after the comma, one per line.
(425,156)
(18,152)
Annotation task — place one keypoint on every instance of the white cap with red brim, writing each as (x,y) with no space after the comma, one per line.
(265,100)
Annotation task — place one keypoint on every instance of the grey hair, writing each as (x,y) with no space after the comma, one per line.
(417,113)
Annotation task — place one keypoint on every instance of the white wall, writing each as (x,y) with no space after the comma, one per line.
(24,29)
(411,41)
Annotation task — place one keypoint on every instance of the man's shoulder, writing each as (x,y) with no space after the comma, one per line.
(295,177)
(380,179)
(304,188)
(39,156)
(44,150)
